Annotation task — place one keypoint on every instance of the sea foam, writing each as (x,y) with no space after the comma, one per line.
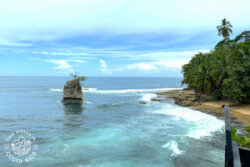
(95,90)
(201,124)
(173,146)
(56,90)
(147,97)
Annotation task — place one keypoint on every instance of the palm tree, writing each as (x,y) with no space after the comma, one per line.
(225,29)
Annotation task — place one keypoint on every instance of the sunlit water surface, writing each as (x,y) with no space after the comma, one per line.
(111,129)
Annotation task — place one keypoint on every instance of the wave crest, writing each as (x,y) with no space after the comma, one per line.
(96,90)
(203,124)
(147,97)
(56,90)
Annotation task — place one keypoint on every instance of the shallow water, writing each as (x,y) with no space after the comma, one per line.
(111,129)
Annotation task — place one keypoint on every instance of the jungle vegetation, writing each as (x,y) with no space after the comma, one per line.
(224,72)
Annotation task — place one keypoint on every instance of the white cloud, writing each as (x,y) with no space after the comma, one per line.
(103,64)
(6,42)
(76,60)
(141,66)
(149,61)
(104,67)
(61,65)
(153,66)
(116,53)
(30,20)
(171,63)
(166,55)
(60,53)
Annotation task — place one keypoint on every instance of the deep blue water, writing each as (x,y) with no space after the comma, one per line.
(111,129)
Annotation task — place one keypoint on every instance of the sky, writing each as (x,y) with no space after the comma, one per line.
(135,38)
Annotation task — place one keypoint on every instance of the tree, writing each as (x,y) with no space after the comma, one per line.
(237,86)
(225,29)
(244,36)
(223,73)
(77,77)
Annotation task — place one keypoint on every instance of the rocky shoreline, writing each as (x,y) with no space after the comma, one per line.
(189,98)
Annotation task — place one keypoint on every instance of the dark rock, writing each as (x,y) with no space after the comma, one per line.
(156,99)
(187,88)
(187,97)
(203,97)
(142,102)
(72,92)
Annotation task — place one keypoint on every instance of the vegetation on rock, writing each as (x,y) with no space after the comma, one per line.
(243,141)
(77,77)
(224,72)
(247,128)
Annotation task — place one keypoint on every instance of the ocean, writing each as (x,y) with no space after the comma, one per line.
(111,129)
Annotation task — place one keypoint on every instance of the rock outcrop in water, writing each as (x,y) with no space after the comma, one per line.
(72,92)
(186,97)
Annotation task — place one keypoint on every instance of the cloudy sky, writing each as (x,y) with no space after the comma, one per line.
(111,37)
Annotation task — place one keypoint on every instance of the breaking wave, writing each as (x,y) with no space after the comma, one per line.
(95,90)
(56,90)
(201,124)
(147,97)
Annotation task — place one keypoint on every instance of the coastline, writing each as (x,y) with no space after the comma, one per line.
(188,98)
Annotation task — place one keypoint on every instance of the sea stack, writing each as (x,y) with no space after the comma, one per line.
(72,92)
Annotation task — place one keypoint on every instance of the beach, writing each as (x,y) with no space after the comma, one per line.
(239,113)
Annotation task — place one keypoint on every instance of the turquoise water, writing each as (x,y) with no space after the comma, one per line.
(111,129)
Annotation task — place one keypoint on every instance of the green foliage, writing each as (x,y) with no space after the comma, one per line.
(247,128)
(225,29)
(243,36)
(223,73)
(243,141)
(77,77)
(81,78)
